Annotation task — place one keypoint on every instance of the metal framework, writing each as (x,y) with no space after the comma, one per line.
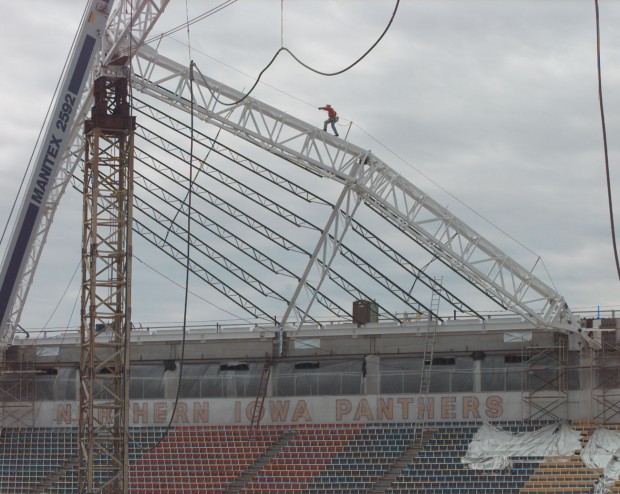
(546,384)
(286,185)
(17,392)
(211,197)
(431,225)
(106,292)
(606,374)
(421,218)
(322,257)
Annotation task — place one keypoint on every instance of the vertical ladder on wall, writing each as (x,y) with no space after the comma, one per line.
(259,403)
(427,360)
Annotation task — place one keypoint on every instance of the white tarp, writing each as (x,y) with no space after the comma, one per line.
(492,447)
(603,451)
(600,448)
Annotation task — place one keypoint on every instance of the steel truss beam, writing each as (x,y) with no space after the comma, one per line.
(260,199)
(181,257)
(432,225)
(161,242)
(237,214)
(410,267)
(157,115)
(338,225)
(197,216)
(289,186)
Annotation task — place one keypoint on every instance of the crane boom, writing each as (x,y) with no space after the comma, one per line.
(55,142)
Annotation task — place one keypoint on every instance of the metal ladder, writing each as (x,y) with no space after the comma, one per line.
(427,360)
(259,403)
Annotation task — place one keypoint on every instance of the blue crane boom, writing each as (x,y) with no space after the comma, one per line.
(55,143)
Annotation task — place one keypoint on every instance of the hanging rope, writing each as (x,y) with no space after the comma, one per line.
(602,110)
(281,23)
(300,62)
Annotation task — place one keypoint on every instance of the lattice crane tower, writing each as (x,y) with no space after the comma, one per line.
(103,428)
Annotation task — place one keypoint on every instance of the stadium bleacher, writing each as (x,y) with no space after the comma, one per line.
(301,459)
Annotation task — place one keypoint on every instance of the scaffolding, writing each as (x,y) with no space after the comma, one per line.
(17,391)
(546,385)
(103,434)
(606,374)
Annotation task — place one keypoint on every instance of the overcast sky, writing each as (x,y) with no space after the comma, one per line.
(489,106)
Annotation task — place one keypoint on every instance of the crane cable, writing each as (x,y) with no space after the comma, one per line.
(189,243)
(281,23)
(198,170)
(188,22)
(300,62)
(600,100)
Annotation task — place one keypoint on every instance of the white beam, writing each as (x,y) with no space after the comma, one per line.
(381,187)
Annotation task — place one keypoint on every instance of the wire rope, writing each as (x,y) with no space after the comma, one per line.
(187,263)
(281,23)
(63,295)
(188,23)
(481,216)
(603,126)
(189,43)
(303,64)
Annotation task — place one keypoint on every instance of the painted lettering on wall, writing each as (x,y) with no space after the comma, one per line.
(298,410)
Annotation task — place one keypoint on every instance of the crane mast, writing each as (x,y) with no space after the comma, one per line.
(103,429)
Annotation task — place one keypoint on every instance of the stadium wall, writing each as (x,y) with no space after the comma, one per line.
(459,407)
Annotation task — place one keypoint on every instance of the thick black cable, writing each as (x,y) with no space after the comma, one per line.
(187,264)
(600,100)
(198,170)
(306,66)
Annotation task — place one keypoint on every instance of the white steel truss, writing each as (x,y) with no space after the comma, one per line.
(383,189)
(335,228)
(423,219)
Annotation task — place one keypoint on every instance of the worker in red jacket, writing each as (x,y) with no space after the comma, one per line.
(332,118)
